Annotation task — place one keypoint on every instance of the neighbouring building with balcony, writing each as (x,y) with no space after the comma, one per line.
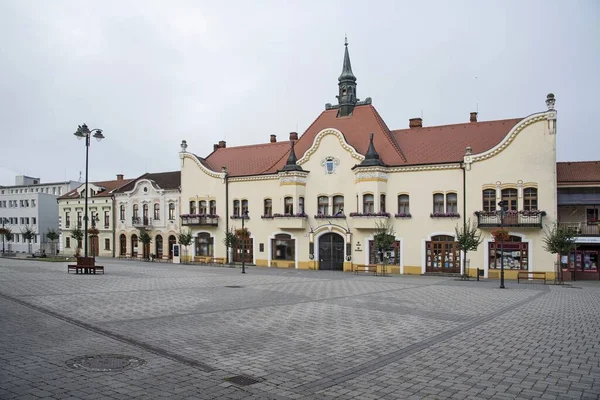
(30,203)
(101,213)
(314,201)
(578,211)
(149,203)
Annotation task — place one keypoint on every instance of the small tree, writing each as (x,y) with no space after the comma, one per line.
(559,241)
(145,239)
(468,239)
(28,234)
(230,241)
(52,235)
(185,239)
(6,235)
(384,238)
(77,235)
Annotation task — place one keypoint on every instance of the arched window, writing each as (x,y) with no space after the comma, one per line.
(213,207)
(268,208)
(323,205)
(442,238)
(134,245)
(403,204)
(283,247)
(236,208)
(244,207)
(171,211)
(202,207)
(509,197)
(122,212)
(451,203)
(368,204)
(530,199)
(338,205)
(136,214)
(156,211)
(204,244)
(489,200)
(301,205)
(159,246)
(438,203)
(288,205)
(145,213)
(193,207)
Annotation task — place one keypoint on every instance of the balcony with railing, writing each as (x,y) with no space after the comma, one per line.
(141,222)
(199,220)
(582,228)
(510,219)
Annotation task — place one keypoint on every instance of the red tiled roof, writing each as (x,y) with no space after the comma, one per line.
(578,171)
(427,145)
(164,180)
(109,187)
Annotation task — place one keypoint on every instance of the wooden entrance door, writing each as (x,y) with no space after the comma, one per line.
(122,245)
(94,244)
(172,241)
(243,248)
(442,255)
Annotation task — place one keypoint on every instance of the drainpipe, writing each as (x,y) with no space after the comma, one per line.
(464,176)
(224,170)
(114,224)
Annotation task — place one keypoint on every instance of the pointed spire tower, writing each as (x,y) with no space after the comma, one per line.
(372,157)
(347,86)
(291,165)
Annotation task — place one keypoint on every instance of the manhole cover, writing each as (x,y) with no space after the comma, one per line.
(243,380)
(105,362)
(234,287)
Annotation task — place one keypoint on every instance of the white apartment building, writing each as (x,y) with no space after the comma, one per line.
(30,203)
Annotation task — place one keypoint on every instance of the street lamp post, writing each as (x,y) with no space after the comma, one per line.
(84,132)
(244,216)
(502,204)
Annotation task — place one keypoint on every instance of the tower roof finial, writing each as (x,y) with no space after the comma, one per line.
(291,165)
(372,157)
(347,68)
(345,40)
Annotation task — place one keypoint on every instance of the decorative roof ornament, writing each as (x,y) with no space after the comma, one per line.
(550,101)
(291,165)
(183,146)
(372,157)
(347,67)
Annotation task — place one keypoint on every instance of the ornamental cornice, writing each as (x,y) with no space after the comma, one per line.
(372,175)
(511,136)
(292,180)
(317,141)
(207,171)
(435,167)
(253,178)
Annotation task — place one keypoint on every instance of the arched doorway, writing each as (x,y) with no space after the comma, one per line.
(172,241)
(331,252)
(159,246)
(134,245)
(122,245)
(442,255)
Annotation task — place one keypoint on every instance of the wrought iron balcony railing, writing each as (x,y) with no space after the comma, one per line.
(581,228)
(199,220)
(137,221)
(510,219)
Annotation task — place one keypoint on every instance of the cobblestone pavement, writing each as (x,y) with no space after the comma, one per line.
(301,334)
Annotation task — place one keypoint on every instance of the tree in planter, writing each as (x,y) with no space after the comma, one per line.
(468,239)
(230,241)
(559,241)
(185,239)
(77,235)
(28,234)
(145,239)
(7,236)
(52,235)
(384,238)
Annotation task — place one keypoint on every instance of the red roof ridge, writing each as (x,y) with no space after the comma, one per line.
(506,120)
(578,162)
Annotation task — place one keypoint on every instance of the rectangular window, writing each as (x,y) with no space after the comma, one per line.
(244,207)
(403,204)
(451,203)
(236,208)
(489,200)
(32,202)
(438,203)
(106,219)
(288,204)
(213,207)
(509,197)
(79,219)
(338,205)
(171,211)
(301,205)
(67,220)
(530,199)
(202,209)
(204,245)
(193,207)
(591,215)
(382,203)
(323,205)
(33,220)
(368,204)
(106,244)
(283,247)
(68,243)
(268,208)
(122,212)
(156,211)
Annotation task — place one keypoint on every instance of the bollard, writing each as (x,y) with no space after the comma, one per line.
(477,274)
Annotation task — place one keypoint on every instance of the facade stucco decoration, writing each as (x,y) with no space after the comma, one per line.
(194,159)
(292,179)
(317,141)
(371,176)
(512,135)
(329,164)
(416,168)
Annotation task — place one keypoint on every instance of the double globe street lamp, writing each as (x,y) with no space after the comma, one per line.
(502,212)
(84,132)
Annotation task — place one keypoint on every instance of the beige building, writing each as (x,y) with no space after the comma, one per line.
(71,211)
(313,201)
(150,203)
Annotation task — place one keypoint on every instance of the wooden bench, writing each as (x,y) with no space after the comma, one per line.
(85,265)
(534,275)
(366,268)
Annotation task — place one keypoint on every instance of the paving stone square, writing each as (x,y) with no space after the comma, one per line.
(300,334)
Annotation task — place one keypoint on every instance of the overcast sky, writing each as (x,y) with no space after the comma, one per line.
(151,73)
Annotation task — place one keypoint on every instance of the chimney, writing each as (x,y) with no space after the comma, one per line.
(415,122)
(473,117)
(119,177)
(273,138)
(215,146)
(293,135)
(222,144)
